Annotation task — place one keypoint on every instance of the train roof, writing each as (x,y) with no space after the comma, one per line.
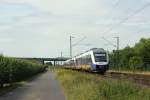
(94,50)
(98,50)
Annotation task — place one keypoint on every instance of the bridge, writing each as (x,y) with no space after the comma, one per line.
(42,60)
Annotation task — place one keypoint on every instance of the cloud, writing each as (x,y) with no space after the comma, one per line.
(67,7)
(6,40)
(42,27)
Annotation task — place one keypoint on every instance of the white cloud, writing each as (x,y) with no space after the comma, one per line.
(68,7)
(44,28)
(6,40)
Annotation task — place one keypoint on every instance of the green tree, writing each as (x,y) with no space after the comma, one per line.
(136,63)
(137,57)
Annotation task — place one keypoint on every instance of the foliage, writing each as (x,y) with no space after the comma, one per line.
(135,58)
(81,86)
(12,70)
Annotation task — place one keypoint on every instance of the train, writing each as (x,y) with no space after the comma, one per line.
(95,59)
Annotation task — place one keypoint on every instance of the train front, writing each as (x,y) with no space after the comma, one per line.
(101,60)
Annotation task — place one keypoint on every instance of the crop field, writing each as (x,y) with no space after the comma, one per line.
(13,70)
(82,86)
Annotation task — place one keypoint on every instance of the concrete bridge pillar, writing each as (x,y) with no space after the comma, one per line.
(43,62)
(54,63)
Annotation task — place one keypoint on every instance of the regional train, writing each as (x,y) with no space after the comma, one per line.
(95,59)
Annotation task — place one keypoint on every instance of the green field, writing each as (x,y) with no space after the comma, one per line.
(14,70)
(82,86)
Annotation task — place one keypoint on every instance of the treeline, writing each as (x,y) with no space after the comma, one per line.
(12,70)
(132,58)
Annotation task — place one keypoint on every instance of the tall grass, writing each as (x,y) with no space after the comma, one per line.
(81,86)
(12,70)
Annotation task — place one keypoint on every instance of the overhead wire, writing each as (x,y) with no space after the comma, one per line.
(79,41)
(114,7)
(128,17)
(109,42)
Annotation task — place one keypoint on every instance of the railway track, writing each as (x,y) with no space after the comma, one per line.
(137,78)
(142,79)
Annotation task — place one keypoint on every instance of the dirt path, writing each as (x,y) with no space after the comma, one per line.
(45,87)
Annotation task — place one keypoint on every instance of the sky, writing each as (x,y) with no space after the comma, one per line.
(41,28)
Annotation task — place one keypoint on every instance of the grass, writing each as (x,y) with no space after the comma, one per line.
(81,86)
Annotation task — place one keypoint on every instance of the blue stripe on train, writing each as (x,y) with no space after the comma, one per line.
(93,66)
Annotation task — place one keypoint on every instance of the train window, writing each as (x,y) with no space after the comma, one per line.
(100,57)
(78,61)
(89,59)
(100,54)
(84,60)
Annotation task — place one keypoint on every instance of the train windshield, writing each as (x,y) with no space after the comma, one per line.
(100,57)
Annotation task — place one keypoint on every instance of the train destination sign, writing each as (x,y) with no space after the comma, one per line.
(100,54)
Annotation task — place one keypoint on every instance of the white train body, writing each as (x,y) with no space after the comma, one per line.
(96,59)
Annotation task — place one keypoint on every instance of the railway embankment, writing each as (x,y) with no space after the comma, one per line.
(136,76)
(84,86)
